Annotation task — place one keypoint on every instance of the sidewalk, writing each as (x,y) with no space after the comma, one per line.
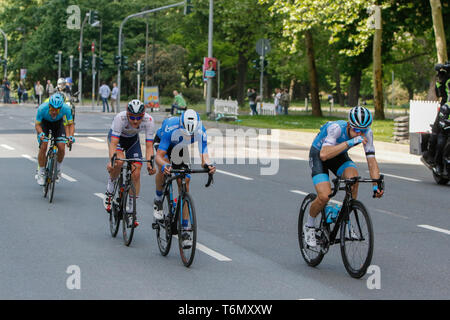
(384,151)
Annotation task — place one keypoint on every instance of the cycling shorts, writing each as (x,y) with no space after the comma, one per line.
(131,146)
(320,168)
(57,128)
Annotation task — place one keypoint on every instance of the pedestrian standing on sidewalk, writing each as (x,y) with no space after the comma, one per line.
(39,92)
(20,90)
(105,92)
(251,94)
(284,100)
(276,101)
(114,98)
(6,90)
(49,89)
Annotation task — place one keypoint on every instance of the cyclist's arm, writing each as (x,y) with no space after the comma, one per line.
(112,146)
(148,149)
(329,152)
(161,160)
(38,127)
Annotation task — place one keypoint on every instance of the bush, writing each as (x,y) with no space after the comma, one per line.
(192,95)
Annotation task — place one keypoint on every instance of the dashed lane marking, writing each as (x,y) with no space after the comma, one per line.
(425,226)
(234,175)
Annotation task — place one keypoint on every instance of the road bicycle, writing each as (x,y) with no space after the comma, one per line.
(51,171)
(120,205)
(171,224)
(353,221)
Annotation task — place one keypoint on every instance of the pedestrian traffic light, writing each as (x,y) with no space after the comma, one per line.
(93,18)
(124,63)
(187,7)
(142,67)
(56,58)
(117,60)
(255,64)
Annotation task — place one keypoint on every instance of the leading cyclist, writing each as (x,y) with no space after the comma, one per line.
(53,115)
(123,139)
(329,152)
(171,142)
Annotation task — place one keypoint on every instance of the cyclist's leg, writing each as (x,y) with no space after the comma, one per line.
(114,173)
(133,150)
(43,145)
(321,181)
(346,169)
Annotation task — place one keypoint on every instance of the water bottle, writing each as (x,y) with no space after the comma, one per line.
(331,212)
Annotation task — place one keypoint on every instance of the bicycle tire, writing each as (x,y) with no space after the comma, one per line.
(360,270)
(47,169)
(187,254)
(165,240)
(53,174)
(311,261)
(114,216)
(127,238)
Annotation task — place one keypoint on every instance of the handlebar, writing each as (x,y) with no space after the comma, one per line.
(191,171)
(352,181)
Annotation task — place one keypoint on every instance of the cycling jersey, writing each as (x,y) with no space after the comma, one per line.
(44,114)
(333,133)
(171,135)
(121,127)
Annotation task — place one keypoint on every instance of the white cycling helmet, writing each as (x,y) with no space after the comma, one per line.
(189,121)
(136,107)
(359,117)
(61,84)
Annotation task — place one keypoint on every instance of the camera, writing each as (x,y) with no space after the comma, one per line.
(442,67)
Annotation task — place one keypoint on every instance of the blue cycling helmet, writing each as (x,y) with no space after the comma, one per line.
(69,80)
(359,117)
(56,101)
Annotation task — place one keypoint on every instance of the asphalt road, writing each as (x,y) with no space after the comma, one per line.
(247,230)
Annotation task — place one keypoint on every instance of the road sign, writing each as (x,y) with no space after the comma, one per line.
(263,47)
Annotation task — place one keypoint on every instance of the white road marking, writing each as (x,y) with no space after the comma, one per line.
(399,177)
(96,139)
(392,214)
(7,147)
(68,178)
(298,158)
(305,194)
(234,175)
(33,124)
(425,226)
(29,157)
(211,252)
(100,195)
(75,134)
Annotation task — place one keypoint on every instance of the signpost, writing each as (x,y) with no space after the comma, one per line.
(262,48)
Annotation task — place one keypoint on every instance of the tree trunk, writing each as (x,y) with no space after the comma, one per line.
(315,101)
(355,85)
(291,89)
(241,79)
(377,67)
(431,95)
(439,33)
(337,78)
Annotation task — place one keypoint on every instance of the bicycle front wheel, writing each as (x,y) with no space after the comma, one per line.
(357,240)
(163,228)
(187,232)
(128,214)
(48,169)
(312,255)
(114,216)
(52,179)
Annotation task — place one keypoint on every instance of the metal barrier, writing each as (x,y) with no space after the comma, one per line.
(226,108)
(267,109)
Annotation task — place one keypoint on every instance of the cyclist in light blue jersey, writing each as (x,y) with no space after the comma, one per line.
(329,153)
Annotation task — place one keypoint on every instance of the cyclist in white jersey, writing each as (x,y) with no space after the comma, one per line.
(329,152)
(123,139)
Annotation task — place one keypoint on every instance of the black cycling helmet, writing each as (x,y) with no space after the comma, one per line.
(136,107)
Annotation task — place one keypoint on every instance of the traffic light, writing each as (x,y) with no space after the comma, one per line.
(56,58)
(86,65)
(4,62)
(124,63)
(142,70)
(100,63)
(187,7)
(256,64)
(117,60)
(93,18)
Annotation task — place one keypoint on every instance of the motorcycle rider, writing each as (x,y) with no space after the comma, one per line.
(438,138)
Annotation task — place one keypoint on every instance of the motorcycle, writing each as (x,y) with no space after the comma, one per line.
(443,177)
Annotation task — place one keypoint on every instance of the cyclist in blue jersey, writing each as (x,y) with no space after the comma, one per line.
(171,142)
(329,152)
(56,116)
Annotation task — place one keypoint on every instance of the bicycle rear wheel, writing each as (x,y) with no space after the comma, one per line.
(163,229)
(52,179)
(114,216)
(357,240)
(187,253)
(312,256)
(128,215)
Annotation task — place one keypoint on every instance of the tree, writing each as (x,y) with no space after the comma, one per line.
(438,26)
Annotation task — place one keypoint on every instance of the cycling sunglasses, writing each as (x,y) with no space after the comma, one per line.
(136,118)
(360,130)
(54,109)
